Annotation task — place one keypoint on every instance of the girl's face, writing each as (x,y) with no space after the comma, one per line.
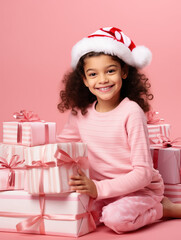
(103,77)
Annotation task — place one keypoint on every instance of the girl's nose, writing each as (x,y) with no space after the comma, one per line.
(103,78)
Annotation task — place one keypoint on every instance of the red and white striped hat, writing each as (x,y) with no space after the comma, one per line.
(111,40)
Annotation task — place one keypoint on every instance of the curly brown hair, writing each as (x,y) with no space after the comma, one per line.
(77,96)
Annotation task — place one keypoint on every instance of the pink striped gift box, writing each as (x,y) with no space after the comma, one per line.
(61,215)
(12,167)
(173,192)
(49,174)
(168,163)
(29,133)
(154,130)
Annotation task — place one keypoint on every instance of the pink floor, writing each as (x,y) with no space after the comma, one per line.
(167,230)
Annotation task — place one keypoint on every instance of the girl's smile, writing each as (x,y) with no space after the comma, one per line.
(105,89)
(103,77)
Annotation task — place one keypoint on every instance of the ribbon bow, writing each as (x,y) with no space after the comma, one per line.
(152,117)
(93,215)
(24,225)
(32,220)
(26,116)
(64,158)
(29,116)
(12,164)
(165,142)
(41,164)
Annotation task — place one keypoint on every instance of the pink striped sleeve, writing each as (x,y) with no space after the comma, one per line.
(70,132)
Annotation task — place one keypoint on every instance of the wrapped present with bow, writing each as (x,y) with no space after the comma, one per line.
(167,159)
(12,167)
(29,130)
(50,166)
(156,126)
(61,214)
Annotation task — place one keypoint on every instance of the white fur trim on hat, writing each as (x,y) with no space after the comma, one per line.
(114,42)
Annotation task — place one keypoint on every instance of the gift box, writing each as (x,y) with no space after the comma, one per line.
(63,215)
(50,166)
(173,192)
(12,167)
(167,161)
(29,133)
(157,130)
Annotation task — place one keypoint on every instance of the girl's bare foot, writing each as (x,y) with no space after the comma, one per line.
(170,209)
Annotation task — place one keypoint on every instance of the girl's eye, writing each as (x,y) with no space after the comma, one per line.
(111,71)
(92,74)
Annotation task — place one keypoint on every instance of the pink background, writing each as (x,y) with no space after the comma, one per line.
(36,37)
(36,40)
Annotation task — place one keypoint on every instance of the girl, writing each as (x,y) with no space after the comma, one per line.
(108,97)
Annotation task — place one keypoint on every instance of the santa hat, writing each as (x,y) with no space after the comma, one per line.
(113,41)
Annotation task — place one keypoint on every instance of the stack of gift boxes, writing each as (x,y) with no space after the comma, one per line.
(166,155)
(35,196)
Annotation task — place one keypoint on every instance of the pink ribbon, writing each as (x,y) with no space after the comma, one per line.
(92,216)
(39,219)
(13,164)
(24,225)
(152,117)
(26,116)
(165,142)
(42,165)
(64,158)
(155,158)
(29,116)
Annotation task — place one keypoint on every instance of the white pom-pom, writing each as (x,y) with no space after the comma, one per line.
(142,56)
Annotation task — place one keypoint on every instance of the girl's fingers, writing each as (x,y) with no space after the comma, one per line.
(75,183)
(80,176)
(82,191)
(80,172)
(75,177)
(80,187)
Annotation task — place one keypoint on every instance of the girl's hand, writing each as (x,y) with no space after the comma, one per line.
(82,184)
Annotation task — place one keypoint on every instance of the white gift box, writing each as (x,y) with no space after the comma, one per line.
(168,162)
(63,215)
(49,174)
(29,133)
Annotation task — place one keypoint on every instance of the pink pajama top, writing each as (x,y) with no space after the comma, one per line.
(118,149)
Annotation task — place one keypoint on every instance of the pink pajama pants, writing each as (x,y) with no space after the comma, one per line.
(130,212)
